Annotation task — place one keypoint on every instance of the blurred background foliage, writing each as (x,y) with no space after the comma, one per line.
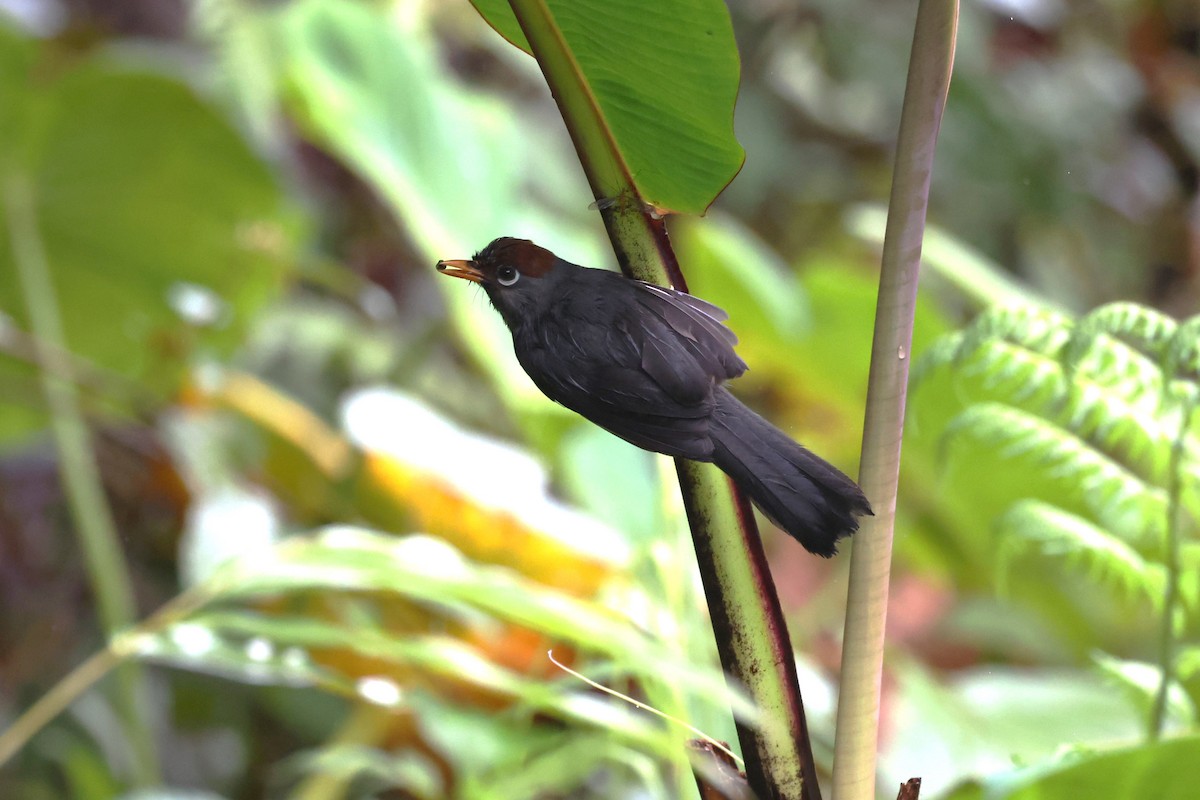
(382,527)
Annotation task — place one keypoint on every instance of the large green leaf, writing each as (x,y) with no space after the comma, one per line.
(663,78)
(405,608)
(1168,770)
(452,165)
(141,196)
(976,723)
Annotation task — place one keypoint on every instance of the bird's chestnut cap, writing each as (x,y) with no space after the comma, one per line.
(521,254)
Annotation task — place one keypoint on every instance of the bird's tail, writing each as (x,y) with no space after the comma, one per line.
(800,492)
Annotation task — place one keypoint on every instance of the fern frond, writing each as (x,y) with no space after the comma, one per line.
(1002,367)
(1034,525)
(1118,367)
(1117,402)
(942,353)
(1111,491)
(1182,357)
(1016,372)
(1132,431)
(1104,407)
(1038,329)
(1141,327)
(1139,681)
(1078,376)
(1015,347)
(1122,424)
(1182,363)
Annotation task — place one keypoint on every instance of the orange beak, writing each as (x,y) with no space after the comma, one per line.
(461,268)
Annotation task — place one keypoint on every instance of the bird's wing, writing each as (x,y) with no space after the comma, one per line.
(624,400)
(693,330)
(644,369)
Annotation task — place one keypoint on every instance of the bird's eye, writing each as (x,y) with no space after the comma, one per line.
(507,276)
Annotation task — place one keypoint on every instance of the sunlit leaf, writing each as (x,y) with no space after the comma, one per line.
(1167,770)
(453,165)
(615,481)
(663,77)
(1053,533)
(418,471)
(1132,508)
(976,722)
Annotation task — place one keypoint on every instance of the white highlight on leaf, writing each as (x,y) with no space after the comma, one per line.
(230,523)
(491,473)
(381,691)
(260,649)
(294,657)
(197,305)
(193,640)
(438,559)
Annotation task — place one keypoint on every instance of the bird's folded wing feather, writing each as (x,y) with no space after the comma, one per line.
(651,382)
(699,329)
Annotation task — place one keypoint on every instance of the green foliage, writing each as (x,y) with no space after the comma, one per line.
(994,718)
(449,164)
(370,573)
(1164,770)
(1140,682)
(411,773)
(664,77)
(168,242)
(1102,410)
(1039,527)
(1089,407)
(766,304)
(410,132)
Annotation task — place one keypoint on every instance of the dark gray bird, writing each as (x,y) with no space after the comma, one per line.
(649,364)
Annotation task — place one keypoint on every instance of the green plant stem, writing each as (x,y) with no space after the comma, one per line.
(856,738)
(1166,647)
(77,682)
(639,240)
(83,677)
(97,533)
(751,634)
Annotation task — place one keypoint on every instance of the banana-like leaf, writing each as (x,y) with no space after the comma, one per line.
(660,81)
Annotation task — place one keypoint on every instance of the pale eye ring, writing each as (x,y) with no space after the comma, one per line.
(507,275)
